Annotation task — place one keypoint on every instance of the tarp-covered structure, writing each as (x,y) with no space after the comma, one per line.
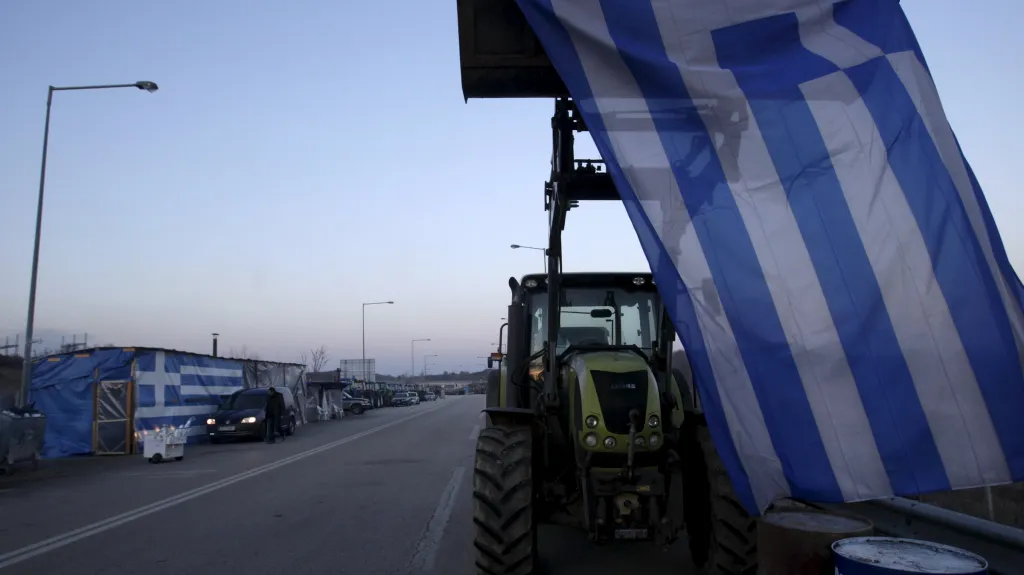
(100,400)
(853,323)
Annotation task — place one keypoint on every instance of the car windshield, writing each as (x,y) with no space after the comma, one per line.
(245,401)
(598,316)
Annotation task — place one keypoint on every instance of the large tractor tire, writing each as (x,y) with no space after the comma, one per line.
(505,535)
(722,534)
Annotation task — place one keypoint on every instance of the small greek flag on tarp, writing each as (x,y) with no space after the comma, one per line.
(852,320)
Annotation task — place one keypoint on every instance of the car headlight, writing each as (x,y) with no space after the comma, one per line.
(609,442)
(653,421)
(249,420)
(590,440)
(655,440)
(591,421)
(639,441)
(211,421)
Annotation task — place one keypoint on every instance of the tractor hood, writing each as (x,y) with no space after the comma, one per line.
(615,361)
(610,384)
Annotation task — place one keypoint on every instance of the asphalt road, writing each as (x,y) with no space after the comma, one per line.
(388,492)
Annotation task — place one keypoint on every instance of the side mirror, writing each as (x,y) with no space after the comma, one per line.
(490,363)
(599,313)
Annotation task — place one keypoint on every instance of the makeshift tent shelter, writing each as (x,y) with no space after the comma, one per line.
(99,400)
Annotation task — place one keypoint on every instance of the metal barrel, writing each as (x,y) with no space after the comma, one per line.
(798,541)
(895,556)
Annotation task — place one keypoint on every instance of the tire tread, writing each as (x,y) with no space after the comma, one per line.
(504,534)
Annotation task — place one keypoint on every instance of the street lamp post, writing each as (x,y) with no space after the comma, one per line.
(541,250)
(425,362)
(364,332)
(26,369)
(412,356)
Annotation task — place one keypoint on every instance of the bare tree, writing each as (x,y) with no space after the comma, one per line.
(318,357)
(304,360)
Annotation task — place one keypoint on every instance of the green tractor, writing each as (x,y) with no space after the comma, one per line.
(588,424)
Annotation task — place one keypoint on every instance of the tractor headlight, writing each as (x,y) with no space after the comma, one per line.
(591,421)
(211,421)
(655,440)
(590,440)
(248,420)
(639,441)
(653,421)
(609,442)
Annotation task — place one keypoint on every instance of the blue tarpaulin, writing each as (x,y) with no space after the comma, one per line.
(63,389)
(853,323)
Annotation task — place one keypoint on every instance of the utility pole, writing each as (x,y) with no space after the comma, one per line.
(26,372)
(412,356)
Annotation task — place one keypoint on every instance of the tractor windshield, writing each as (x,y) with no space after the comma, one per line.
(598,316)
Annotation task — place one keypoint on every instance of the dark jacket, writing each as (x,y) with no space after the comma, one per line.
(275,405)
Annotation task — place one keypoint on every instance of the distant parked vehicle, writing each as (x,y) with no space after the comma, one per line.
(357,405)
(429,396)
(405,398)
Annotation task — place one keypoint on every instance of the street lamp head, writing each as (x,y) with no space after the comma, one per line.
(515,246)
(147,86)
(390,302)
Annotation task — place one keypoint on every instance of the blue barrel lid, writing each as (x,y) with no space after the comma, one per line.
(909,555)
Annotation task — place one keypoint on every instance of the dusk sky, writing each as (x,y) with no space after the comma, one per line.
(301,158)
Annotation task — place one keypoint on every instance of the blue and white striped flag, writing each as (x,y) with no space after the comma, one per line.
(852,320)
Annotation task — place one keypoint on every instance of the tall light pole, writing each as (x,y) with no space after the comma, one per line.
(541,250)
(425,362)
(412,356)
(26,369)
(364,332)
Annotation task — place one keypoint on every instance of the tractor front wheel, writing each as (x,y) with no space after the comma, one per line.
(505,535)
(733,541)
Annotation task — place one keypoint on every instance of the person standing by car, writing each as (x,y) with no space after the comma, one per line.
(273,411)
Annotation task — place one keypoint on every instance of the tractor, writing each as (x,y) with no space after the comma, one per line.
(587,422)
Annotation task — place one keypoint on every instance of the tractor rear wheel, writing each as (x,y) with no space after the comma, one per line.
(505,535)
(733,543)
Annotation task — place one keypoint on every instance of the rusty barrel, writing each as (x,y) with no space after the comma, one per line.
(798,541)
(894,556)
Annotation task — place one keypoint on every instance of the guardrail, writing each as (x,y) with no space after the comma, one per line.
(1001,545)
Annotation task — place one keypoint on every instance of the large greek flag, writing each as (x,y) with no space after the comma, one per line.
(852,320)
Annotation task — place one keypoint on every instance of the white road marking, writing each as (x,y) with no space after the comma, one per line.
(474,433)
(426,548)
(170,474)
(53,543)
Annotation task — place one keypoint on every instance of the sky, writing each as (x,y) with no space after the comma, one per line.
(301,158)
